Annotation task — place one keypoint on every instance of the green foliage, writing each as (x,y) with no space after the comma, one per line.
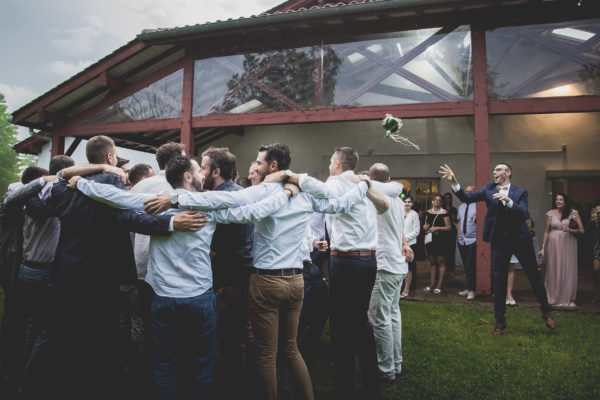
(9,160)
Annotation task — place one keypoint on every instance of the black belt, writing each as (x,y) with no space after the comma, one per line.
(38,265)
(277,272)
(353,253)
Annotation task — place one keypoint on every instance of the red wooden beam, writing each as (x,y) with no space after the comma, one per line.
(121,127)
(111,82)
(187,137)
(482,153)
(336,114)
(114,97)
(545,105)
(58,143)
(86,75)
(46,116)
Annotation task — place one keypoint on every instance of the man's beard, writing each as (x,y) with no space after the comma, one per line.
(197,184)
(209,182)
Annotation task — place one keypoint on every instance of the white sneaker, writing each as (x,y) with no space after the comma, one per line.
(463,292)
(427,289)
(471,295)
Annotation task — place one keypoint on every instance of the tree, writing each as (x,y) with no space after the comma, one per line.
(9,159)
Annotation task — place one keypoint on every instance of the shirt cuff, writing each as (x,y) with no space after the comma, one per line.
(171,229)
(456,187)
(509,203)
(301,178)
(42,181)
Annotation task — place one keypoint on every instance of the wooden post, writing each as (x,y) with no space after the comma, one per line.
(482,152)
(58,143)
(187,136)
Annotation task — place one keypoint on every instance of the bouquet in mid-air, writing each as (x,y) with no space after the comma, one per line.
(392,125)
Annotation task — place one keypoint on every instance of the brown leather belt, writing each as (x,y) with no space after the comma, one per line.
(354,253)
(277,272)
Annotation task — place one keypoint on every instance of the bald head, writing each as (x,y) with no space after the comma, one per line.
(379,172)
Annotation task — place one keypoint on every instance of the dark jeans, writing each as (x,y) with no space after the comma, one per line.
(350,285)
(468,255)
(313,315)
(503,247)
(184,332)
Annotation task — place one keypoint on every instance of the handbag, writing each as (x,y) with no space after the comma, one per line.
(429,235)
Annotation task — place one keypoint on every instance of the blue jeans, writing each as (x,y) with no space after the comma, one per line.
(351,281)
(184,332)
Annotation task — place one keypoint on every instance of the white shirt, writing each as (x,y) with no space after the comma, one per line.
(390,225)
(307,243)
(153,185)
(357,228)
(412,227)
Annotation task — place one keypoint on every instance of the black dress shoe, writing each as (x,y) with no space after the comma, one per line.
(499,328)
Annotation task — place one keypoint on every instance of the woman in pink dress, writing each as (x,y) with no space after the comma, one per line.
(560,249)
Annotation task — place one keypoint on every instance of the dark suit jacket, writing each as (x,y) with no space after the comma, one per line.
(510,220)
(94,251)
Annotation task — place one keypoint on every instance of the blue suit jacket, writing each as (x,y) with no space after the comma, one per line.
(513,219)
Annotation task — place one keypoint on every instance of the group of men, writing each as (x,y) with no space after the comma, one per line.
(198,278)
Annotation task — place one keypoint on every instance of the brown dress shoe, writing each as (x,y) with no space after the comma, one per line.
(550,323)
(499,328)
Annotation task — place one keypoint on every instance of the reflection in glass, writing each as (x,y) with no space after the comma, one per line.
(547,60)
(162,99)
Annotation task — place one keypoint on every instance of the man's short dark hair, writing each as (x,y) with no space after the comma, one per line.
(277,152)
(222,158)
(138,172)
(175,169)
(167,151)
(348,157)
(379,172)
(121,162)
(33,172)
(508,167)
(60,162)
(97,148)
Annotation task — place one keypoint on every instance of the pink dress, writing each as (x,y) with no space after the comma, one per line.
(561,262)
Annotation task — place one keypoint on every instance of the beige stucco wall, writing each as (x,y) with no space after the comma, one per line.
(530,143)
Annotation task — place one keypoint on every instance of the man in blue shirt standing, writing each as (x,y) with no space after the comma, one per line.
(467,235)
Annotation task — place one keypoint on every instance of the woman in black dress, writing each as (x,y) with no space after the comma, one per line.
(437,222)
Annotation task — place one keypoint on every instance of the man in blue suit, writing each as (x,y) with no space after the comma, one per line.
(504,227)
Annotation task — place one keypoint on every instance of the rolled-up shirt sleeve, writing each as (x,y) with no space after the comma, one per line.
(112,196)
(333,205)
(251,212)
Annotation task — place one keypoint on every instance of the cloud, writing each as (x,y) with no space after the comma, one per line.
(80,40)
(17,96)
(66,69)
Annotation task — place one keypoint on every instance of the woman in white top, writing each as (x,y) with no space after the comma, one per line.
(412,227)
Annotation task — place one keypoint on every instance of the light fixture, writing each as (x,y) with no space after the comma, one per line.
(246,107)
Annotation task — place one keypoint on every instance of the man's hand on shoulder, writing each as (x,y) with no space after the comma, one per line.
(109,169)
(278,176)
(189,221)
(161,202)
(73,182)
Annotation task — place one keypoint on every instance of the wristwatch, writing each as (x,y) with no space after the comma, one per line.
(288,175)
(175,201)
(368,182)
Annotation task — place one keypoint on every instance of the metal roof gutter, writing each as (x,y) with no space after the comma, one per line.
(303,16)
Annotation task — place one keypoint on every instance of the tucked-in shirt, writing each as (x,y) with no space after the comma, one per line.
(153,185)
(468,237)
(355,229)
(179,265)
(412,227)
(389,238)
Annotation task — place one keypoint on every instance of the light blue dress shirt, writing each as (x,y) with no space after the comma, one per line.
(470,236)
(278,237)
(179,264)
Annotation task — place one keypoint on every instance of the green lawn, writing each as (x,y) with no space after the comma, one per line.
(450,353)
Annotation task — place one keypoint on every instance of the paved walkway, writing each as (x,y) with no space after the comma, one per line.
(453,283)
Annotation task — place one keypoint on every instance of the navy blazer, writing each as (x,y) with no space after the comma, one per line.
(513,218)
(94,250)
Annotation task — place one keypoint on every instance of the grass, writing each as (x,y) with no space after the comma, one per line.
(449,353)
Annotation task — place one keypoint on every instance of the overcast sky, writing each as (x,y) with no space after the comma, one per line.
(45,42)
